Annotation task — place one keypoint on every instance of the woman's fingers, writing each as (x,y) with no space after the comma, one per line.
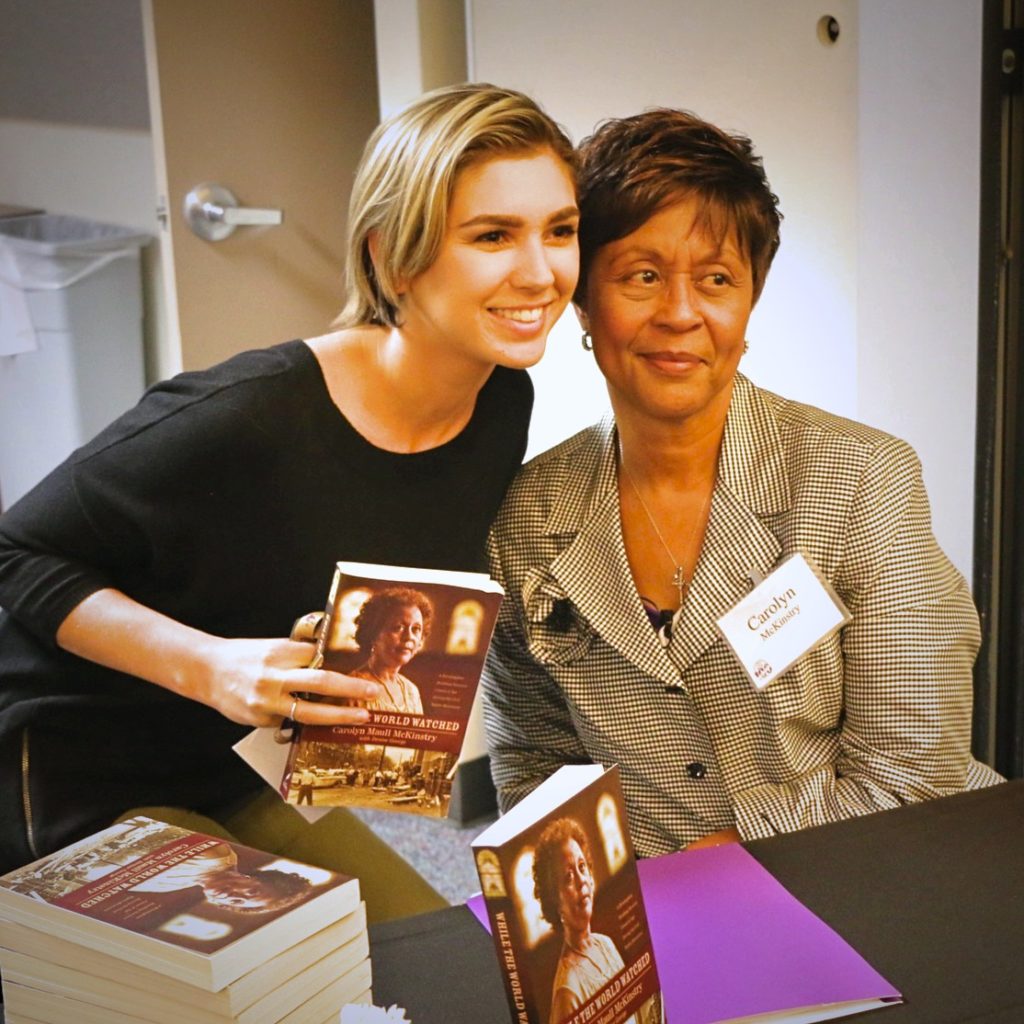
(317,712)
(322,695)
(261,682)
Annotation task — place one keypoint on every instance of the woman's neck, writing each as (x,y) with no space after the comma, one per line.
(578,941)
(383,673)
(681,449)
(656,455)
(398,395)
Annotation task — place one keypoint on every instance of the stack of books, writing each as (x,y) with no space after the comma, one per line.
(149,922)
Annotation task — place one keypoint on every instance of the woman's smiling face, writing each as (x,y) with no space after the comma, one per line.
(507,265)
(667,306)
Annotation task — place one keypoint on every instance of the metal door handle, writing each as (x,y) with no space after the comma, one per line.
(213,213)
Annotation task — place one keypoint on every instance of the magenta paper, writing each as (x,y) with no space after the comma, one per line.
(730,941)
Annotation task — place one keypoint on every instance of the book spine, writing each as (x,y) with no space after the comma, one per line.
(325,624)
(508,942)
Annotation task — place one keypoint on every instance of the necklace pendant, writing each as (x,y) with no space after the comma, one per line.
(679,582)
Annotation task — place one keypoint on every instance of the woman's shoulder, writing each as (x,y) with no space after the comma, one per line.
(577,457)
(566,476)
(246,390)
(808,431)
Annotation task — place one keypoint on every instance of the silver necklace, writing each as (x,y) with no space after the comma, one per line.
(679,580)
(387,686)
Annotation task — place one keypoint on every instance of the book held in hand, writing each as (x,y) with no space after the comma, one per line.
(567,916)
(181,904)
(421,635)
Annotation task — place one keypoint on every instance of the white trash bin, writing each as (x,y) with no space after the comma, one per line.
(71,354)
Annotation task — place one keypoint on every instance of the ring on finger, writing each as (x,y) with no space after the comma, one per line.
(291,713)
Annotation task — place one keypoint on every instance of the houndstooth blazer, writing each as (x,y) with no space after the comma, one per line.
(877,715)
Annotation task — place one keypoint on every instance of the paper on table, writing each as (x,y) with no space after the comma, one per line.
(360,1013)
(736,945)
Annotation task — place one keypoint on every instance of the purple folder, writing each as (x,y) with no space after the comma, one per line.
(731,943)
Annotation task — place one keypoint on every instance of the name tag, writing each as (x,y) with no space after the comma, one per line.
(781,619)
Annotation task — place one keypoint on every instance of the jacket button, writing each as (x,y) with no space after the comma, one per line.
(696,770)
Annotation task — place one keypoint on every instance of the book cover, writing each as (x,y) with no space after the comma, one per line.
(181,903)
(741,948)
(563,898)
(421,635)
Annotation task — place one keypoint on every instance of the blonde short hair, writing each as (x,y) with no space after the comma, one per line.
(404,184)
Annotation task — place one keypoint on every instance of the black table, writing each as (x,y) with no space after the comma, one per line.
(932,895)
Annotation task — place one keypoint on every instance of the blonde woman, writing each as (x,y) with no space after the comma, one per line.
(135,578)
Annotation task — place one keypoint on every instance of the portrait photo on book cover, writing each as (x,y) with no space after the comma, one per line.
(184,887)
(574,893)
(424,647)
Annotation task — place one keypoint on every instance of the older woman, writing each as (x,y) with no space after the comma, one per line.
(391,629)
(622,547)
(148,584)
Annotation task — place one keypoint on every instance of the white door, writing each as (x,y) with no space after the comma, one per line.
(273,101)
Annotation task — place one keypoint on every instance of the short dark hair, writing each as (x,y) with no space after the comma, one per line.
(547,868)
(632,166)
(282,889)
(379,606)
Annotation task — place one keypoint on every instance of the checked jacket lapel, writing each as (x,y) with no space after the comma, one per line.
(752,488)
(593,571)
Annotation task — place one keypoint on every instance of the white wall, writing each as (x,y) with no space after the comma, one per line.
(858,139)
(917,271)
(420,45)
(755,68)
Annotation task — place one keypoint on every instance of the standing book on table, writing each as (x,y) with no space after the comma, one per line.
(735,947)
(421,635)
(560,886)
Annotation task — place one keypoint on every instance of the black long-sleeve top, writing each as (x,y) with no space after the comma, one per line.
(222,500)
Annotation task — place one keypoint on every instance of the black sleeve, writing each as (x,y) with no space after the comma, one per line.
(123,510)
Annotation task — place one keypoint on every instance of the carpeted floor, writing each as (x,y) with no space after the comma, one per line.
(437,847)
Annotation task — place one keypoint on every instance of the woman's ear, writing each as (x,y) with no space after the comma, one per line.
(581,315)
